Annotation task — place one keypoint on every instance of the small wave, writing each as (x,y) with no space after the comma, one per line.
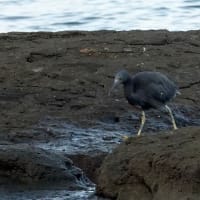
(44,15)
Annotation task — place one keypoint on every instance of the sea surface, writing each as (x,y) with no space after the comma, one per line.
(60,15)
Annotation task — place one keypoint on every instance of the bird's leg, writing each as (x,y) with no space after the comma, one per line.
(172,117)
(143,118)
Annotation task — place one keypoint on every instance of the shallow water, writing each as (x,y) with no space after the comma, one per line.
(44,15)
(103,135)
(73,139)
(47,194)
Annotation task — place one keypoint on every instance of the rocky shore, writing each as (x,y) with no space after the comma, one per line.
(56,114)
(153,167)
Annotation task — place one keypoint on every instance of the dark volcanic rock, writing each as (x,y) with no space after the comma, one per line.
(68,74)
(34,166)
(153,168)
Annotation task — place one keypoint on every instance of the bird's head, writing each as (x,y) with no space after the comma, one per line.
(120,78)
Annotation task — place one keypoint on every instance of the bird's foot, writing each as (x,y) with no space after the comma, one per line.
(139,133)
(175,128)
(125,138)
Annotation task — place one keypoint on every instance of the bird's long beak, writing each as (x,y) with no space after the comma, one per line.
(115,84)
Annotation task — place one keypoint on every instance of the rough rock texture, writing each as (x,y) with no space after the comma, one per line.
(89,164)
(26,165)
(68,74)
(157,167)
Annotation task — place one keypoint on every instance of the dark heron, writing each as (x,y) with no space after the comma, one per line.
(147,90)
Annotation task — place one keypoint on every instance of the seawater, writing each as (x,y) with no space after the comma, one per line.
(45,15)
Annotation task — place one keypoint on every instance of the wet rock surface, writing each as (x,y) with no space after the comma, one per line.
(54,94)
(28,165)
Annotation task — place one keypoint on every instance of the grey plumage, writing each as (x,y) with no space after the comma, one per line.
(147,89)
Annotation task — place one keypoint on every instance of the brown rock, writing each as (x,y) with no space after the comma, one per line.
(157,167)
(69,74)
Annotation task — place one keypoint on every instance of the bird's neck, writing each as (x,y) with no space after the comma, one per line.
(128,88)
(129,92)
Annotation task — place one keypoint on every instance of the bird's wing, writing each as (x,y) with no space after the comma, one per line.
(157,94)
